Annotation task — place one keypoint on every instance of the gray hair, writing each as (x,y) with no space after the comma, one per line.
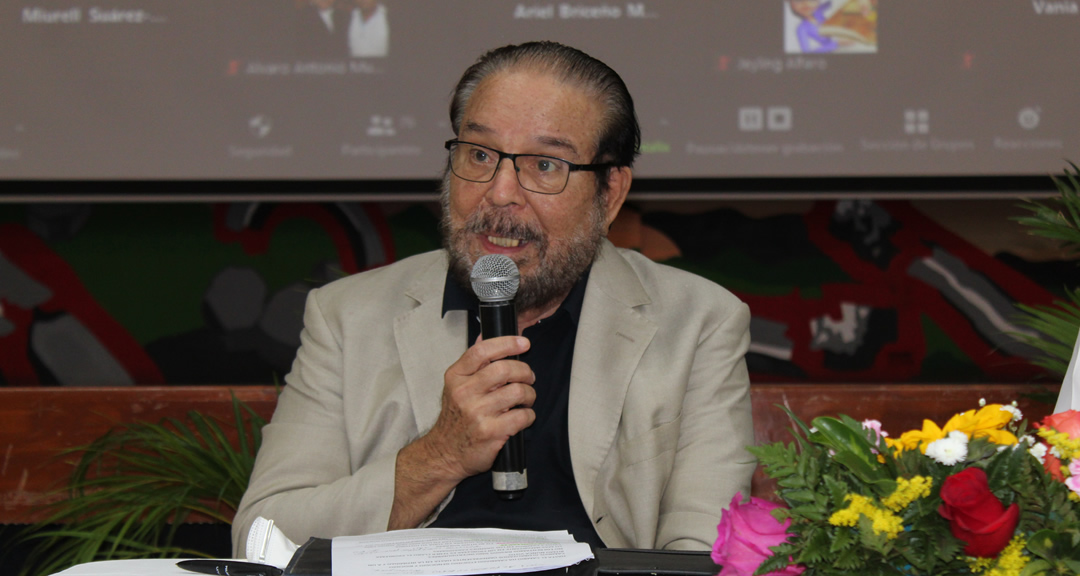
(620,136)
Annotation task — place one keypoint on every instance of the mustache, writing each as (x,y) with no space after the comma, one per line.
(502,224)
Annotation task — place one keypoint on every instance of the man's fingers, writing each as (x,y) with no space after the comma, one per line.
(508,397)
(495,389)
(505,371)
(497,430)
(485,352)
(487,398)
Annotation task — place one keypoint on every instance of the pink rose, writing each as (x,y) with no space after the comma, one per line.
(1052,464)
(1067,422)
(875,426)
(744,535)
(1073,481)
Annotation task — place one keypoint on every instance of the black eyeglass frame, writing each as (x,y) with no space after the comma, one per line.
(600,167)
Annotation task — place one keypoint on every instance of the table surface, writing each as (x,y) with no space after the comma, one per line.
(168,567)
(147,567)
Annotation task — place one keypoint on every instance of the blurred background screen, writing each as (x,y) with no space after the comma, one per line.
(359,89)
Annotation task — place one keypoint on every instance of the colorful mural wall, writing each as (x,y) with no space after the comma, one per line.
(840,291)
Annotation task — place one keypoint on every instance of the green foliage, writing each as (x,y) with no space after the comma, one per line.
(836,458)
(1056,325)
(132,488)
(1056,553)
(848,440)
(1060,219)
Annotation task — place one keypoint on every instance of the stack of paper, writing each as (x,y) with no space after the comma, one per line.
(442,551)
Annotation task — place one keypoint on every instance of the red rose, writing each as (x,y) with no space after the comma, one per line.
(975,515)
(1067,422)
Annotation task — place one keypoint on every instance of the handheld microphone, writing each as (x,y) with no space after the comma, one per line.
(495,281)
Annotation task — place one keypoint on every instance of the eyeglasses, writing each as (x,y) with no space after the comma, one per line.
(535,172)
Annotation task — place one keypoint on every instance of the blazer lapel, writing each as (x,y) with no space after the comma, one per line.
(611,339)
(428,343)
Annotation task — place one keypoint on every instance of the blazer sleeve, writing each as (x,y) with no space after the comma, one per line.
(711,463)
(304,477)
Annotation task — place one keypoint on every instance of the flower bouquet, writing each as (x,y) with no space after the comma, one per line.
(981,495)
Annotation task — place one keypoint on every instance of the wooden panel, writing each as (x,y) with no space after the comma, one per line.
(36,424)
(899,407)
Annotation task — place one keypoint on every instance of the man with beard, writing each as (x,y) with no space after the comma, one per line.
(631,389)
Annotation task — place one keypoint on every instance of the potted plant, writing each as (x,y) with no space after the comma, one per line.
(1057,325)
(133,488)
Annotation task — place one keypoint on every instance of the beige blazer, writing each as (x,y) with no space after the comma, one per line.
(659,402)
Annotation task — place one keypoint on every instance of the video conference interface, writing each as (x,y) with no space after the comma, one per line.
(359,89)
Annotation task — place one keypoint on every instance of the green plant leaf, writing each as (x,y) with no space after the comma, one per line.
(853,450)
(132,488)
(1035,568)
(1056,329)
(850,560)
(1055,326)
(1050,545)
(816,548)
(775,563)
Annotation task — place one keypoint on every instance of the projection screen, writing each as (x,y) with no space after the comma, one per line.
(358,90)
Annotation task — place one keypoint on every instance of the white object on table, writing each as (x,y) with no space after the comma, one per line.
(265,545)
(268,545)
(147,567)
(1069,397)
(455,551)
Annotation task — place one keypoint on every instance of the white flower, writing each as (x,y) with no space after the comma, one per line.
(949,450)
(1017,415)
(1028,438)
(982,402)
(1039,452)
(1055,452)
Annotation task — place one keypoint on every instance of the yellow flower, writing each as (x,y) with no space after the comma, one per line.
(988,421)
(1010,562)
(1068,447)
(908,491)
(1000,437)
(882,521)
(857,504)
(913,439)
(887,523)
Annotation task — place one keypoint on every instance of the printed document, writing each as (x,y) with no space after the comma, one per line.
(455,551)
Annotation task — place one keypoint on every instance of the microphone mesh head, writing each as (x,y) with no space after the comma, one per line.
(495,278)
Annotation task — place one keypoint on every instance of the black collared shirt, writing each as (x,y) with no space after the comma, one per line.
(551,502)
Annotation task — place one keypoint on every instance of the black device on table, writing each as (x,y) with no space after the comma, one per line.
(230,568)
